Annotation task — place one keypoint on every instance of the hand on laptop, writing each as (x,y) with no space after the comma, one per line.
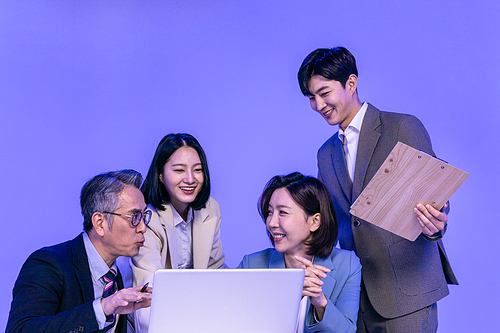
(126,301)
(312,285)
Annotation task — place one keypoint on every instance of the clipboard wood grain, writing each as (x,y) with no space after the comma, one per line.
(407,176)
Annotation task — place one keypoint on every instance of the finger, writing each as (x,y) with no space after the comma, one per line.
(130,295)
(434,213)
(431,213)
(311,293)
(312,290)
(312,272)
(311,283)
(322,268)
(428,227)
(318,270)
(137,291)
(430,219)
(304,261)
(425,229)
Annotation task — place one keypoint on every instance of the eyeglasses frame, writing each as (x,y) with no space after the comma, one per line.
(142,217)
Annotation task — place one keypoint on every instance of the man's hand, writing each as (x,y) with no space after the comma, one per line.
(431,220)
(126,301)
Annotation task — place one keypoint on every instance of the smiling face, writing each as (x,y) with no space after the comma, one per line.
(289,225)
(122,239)
(337,104)
(183,178)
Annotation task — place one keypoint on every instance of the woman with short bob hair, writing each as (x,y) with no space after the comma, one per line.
(301,224)
(184,216)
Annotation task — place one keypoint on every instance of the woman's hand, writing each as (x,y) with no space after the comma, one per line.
(313,285)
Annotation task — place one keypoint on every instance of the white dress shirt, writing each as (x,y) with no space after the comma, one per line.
(184,235)
(350,139)
(98,268)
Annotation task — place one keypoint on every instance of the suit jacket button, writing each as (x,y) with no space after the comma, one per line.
(357,223)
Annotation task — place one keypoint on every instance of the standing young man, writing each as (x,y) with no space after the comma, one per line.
(401,280)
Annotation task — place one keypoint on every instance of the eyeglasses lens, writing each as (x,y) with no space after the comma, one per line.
(137,218)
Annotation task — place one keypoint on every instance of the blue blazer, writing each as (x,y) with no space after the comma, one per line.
(54,292)
(341,287)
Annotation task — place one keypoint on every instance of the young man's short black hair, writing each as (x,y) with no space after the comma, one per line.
(332,64)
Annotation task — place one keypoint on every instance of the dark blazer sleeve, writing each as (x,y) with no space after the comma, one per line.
(47,295)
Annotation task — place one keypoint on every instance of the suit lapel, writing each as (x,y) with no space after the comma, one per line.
(329,281)
(368,139)
(167,219)
(277,260)
(203,237)
(340,168)
(82,269)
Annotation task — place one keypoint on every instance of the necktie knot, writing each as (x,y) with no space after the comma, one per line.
(109,283)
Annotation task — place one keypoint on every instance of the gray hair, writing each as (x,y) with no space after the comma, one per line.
(101,193)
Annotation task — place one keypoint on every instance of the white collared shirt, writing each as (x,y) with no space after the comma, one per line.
(350,139)
(183,233)
(98,268)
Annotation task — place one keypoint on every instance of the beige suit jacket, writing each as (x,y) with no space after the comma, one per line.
(159,250)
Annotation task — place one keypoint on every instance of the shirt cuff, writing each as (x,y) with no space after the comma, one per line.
(99,314)
(438,235)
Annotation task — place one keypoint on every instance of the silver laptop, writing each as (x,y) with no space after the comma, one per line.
(226,300)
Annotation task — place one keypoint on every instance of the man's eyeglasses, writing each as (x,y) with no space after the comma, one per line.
(136,218)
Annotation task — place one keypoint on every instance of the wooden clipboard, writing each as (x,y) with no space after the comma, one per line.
(407,176)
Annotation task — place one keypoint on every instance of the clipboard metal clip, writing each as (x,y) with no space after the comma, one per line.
(434,157)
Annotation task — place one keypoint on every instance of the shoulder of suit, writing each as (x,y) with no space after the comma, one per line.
(212,206)
(61,253)
(396,116)
(327,145)
(262,256)
(340,255)
(212,202)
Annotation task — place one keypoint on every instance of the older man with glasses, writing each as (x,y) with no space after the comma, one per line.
(76,286)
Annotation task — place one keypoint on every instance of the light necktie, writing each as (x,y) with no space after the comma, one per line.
(348,156)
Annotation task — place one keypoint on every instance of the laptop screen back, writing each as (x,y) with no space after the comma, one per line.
(226,300)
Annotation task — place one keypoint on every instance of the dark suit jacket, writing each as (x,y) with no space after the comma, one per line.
(54,292)
(400,276)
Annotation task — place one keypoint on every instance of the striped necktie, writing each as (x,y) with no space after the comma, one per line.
(109,283)
(109,289)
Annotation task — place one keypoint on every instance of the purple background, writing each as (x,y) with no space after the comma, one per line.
(92,86)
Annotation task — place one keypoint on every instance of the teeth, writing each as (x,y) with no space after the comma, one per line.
(187,188)
(328,112)
(278,236)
